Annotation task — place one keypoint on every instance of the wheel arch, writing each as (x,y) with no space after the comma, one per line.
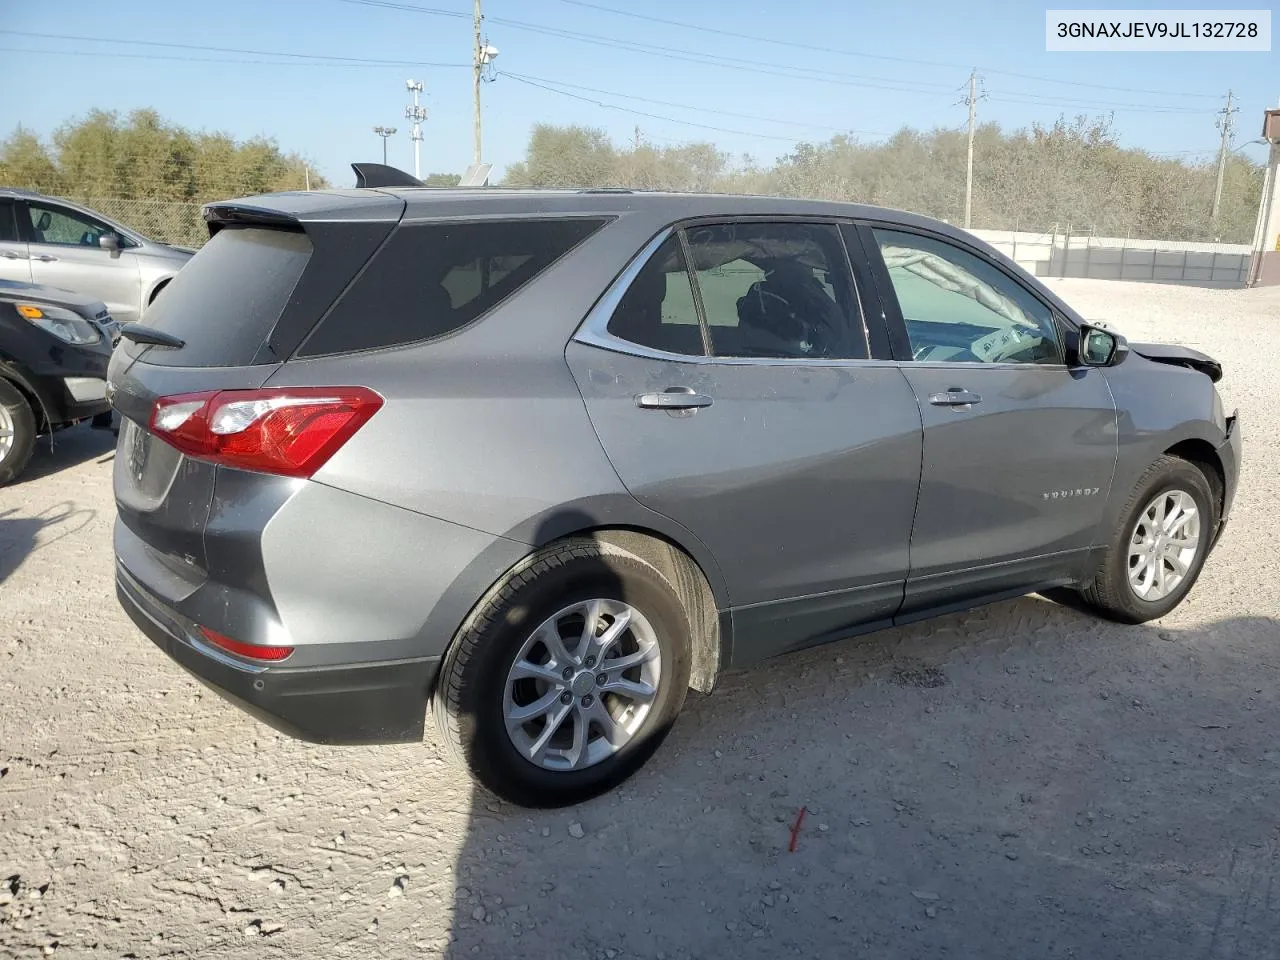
(156,288)
(710,632)
(1204,456)
(691,572)
(10,375)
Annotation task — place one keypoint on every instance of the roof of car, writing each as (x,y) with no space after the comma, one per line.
(434,202)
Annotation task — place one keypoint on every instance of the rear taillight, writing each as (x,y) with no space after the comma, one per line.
(250,651)
(288,431)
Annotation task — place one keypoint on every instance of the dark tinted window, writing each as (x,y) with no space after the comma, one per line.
(227,298)
(8,223)
(658,311)
(960,309)
(781,290)
(431,279)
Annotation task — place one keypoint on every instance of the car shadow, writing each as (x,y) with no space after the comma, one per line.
(21,536)
(70,447)
(1019,780)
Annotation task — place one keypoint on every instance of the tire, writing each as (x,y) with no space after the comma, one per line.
(17,432)
(475,693)
(1111,593)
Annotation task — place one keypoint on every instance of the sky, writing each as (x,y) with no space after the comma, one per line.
(765,75)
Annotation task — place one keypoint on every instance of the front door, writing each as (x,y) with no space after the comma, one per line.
(64,251)
(14,264)
(737,399)
(1019,449)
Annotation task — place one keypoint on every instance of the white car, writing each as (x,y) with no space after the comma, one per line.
(61,244)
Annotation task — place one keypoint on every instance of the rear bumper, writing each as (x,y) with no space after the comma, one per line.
(360,702)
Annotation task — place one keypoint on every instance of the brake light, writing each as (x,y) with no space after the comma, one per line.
(288,431)
(250,651)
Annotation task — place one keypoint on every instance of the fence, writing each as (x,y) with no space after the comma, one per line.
(1055,254)
(164,220)
(1060,254)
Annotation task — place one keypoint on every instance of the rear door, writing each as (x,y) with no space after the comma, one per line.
(1019,449)
(64,252)
(14,264)
(729,377)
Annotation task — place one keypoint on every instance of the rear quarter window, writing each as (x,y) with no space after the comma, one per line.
(431,279)
(225,301)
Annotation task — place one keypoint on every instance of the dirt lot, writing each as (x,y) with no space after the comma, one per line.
(1019,782)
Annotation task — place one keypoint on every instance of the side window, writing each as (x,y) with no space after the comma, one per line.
(64,227)
(777,290)
(8,223)
(658,310)
(958,308)
(431,279)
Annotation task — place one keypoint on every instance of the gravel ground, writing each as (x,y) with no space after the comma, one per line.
(1021,781)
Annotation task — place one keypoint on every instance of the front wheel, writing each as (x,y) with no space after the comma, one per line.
(567,676)
(17,432)
(1164,536)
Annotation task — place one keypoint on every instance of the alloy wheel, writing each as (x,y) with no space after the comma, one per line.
(582,685)
(1163,545)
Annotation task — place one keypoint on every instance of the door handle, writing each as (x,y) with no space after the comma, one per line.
(45,258)
(10,255)
(673,398)
(955,397)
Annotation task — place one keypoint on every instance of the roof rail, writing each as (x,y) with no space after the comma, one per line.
(380,175)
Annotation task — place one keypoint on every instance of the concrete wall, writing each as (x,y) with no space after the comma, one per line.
(1115,258)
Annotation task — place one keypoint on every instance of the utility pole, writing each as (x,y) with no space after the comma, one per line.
(972,101)
(384,133)
(1225,121)
(476,65)
(637,141)
(481,56)
(417,113)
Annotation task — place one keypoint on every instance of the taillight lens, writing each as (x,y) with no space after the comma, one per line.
(288,431)
(250,651)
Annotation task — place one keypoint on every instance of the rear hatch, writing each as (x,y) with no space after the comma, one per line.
(240,307)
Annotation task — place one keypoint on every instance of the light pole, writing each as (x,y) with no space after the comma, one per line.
(384,133)
(417,113)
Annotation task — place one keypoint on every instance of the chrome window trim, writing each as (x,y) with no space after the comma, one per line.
(594,330)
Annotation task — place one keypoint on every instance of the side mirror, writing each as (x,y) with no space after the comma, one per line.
(1100,348)
(110,241)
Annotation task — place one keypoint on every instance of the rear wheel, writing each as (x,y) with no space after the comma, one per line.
(17,432)
(1156,555)
(567,676)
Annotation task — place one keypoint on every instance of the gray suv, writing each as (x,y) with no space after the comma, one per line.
(540,462)
(62,244)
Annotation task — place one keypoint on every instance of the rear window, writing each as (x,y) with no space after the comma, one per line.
(228,297)
(433,278)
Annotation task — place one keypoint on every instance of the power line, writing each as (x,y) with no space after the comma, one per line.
(683,106)
(641,113)
(788,71)
(1069,103)
(689,56)
(116,54)
(858,53)
(262,53)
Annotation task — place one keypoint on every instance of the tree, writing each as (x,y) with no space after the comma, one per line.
(1073,172)
(442,180)
(141,157)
